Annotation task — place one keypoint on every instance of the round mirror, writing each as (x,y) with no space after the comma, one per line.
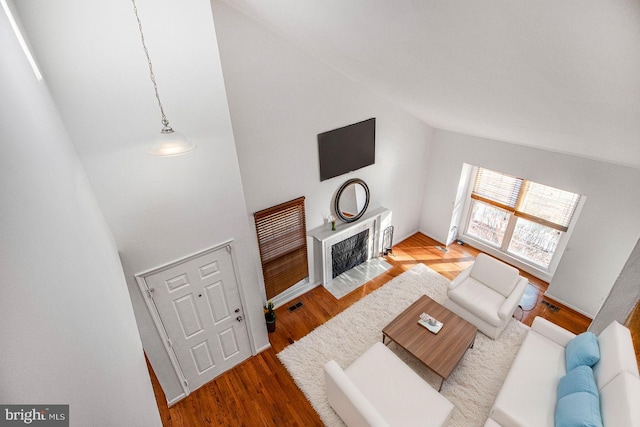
(352,200)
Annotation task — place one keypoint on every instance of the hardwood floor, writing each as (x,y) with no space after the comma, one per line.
(260,392)
(633,323)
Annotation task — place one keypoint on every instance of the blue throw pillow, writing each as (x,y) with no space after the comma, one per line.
(576,380)
(582,350)
(580,409)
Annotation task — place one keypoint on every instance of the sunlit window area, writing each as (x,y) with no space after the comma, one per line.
(488,223)
(522,218)
(534,242)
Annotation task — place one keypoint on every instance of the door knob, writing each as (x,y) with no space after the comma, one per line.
(239,318)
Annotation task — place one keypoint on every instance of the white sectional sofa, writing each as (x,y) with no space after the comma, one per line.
(528,396)
(379,389)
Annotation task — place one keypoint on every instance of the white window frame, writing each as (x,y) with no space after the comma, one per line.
(501,252)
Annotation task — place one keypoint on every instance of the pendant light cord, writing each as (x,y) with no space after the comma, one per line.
(165,121)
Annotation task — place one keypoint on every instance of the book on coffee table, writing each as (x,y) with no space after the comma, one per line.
(425,321)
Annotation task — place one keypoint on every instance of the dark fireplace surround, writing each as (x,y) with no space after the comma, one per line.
(350,252)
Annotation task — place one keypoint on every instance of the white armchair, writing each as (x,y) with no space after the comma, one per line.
(486,294)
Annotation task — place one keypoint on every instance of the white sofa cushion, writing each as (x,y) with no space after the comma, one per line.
(529,393)
(616,354)
(491,423)
(478,299)
(550,330)
(348,401)
(400,395)
(620,401)
(496,274)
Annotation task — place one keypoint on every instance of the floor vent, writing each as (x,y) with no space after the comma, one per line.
(295,306)
(551,306)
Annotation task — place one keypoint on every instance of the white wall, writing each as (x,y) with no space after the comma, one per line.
(607,229)
(623,296)
(68,331)
(158,209)
(280,98)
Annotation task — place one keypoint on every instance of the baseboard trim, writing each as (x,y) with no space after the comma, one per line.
(176,399)
(549,296)
(263,348)
(430,236)
(293,293)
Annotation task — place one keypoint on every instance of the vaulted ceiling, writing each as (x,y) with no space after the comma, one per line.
(561,76)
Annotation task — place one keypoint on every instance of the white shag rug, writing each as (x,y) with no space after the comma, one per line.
(473,385)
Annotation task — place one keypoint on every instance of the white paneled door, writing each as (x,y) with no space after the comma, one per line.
(199,305)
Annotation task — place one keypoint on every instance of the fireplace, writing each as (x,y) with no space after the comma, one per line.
(349,253)
(365,231)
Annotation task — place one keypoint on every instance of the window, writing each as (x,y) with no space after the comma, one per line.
(282,240)
(519,217)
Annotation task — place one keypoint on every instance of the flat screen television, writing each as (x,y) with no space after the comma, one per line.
(347,149)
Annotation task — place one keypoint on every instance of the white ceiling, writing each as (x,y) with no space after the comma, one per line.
(558,75)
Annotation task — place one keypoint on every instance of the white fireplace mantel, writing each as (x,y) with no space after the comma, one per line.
(324,238)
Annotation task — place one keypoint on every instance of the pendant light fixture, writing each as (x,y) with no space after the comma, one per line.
(169,142)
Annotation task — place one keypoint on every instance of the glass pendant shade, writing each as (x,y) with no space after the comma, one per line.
(169,143)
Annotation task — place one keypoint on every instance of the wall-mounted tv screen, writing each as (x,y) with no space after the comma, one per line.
(346,149)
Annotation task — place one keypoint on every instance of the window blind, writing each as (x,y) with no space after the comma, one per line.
(535,202)
(282,240)
(496,189)
(547,205)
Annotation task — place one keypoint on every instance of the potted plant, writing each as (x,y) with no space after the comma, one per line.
(270,316)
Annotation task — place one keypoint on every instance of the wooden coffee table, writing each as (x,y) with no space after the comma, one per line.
(441,352)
